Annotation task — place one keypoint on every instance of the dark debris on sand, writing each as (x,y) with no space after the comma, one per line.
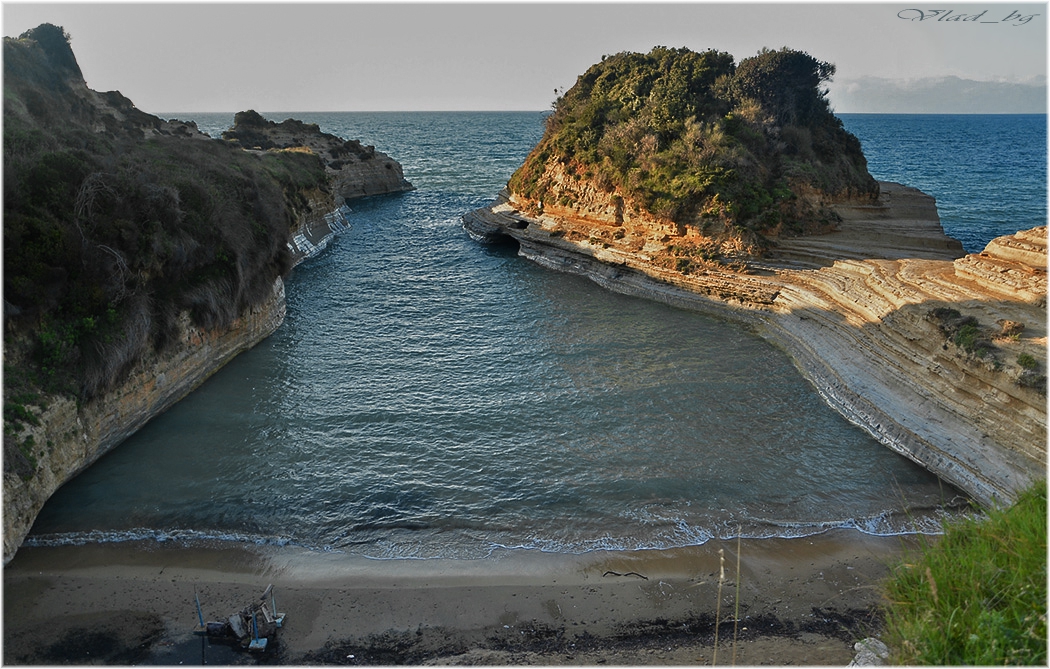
(429,644)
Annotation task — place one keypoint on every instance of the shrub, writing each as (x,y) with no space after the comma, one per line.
(966,336)
(944,314)
(969,338)
(109,236)
(1027,361)
(963,331)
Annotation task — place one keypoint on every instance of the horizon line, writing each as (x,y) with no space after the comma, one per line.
(542,111)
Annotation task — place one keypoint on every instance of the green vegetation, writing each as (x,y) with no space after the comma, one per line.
(696,139)
(1027,361)
(978,595)
(111,229)
(967,333)
(1030,376)
(968,338)
(963,331)
(19,413)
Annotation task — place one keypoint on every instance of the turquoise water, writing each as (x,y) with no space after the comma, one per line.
(430,397)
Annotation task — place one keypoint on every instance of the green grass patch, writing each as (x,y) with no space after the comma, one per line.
(976,596)
(963,331)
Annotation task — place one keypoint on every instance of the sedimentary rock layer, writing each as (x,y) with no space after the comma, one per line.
(857,311)
(71,438)
(48,100)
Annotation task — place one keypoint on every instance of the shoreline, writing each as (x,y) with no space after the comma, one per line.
(802,601)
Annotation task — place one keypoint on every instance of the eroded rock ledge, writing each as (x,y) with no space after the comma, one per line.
(862,312)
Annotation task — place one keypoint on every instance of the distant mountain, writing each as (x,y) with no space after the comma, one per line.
(937,95)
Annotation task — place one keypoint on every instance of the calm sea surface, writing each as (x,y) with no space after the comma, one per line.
(430,397)
(987,171)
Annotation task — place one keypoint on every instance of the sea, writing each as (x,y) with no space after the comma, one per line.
(430,397)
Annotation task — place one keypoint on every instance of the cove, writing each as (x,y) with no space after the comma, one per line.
(427,397)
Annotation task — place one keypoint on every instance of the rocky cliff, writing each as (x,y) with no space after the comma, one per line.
(140,257)
(939,355)
(70,436)
(724,156)
(354,170)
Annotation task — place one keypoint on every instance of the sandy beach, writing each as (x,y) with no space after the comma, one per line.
(801,601)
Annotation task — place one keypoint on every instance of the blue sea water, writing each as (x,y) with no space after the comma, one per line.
(430,397)
(987,171)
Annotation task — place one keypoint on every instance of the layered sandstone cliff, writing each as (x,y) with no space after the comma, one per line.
(865,312)
(71,436)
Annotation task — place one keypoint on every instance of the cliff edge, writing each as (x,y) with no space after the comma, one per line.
(354,170)
(140,256)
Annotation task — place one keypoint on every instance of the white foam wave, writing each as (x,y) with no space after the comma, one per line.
(433,543)
(158,536)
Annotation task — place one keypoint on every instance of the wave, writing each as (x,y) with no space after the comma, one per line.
(426,542)
(142,534)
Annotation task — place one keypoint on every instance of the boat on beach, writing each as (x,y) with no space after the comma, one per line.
(253,628)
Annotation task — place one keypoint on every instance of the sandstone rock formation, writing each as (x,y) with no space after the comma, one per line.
(861,310)
(70,437)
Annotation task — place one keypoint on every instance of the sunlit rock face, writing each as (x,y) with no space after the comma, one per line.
(871,312)
(731,187)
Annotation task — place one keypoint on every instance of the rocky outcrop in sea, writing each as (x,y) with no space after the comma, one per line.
(939,355)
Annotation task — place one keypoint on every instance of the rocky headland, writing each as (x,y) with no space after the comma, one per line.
(352,169)
(140,256)
(870,313)
(733,189)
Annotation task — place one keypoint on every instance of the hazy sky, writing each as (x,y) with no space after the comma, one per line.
(436,56)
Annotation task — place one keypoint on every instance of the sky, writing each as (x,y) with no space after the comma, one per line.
(395,56)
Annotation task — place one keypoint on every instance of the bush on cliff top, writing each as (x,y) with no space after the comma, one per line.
(696,139)
(108,236)
(977,596)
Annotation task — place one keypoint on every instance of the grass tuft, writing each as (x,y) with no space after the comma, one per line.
(977,595)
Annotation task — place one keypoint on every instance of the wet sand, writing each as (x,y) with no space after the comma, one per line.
(801,601)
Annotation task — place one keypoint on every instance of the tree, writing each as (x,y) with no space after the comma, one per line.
(55,43)
(786,84)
